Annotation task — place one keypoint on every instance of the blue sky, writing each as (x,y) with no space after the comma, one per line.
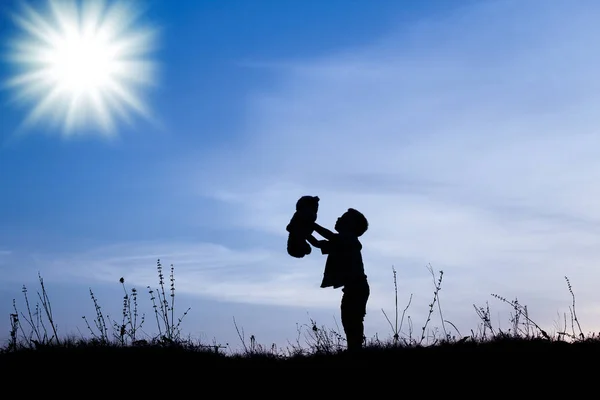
(465,131)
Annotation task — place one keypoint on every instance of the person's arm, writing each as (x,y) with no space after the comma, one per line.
(326,233)
(313,240)
(324,245)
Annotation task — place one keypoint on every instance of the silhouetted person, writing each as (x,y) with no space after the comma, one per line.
(344,268)
(301,226)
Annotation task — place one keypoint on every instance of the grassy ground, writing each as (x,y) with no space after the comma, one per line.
(498,351)
(34,341)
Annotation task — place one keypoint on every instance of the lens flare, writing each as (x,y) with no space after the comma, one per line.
(82,66)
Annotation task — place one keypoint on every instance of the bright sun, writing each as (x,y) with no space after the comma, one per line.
(82,65)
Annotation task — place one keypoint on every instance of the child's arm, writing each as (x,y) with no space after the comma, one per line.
(326,233)
(324,245)
(313,240)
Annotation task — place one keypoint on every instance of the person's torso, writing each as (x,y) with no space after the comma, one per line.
(345,259)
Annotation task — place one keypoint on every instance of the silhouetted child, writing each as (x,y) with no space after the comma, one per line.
(344,267)
(301,226)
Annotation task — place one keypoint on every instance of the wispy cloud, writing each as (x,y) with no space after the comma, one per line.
(204,269)
(469,142)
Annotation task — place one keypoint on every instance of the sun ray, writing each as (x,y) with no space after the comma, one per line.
(36,26)
(104,113)
(113,102)
(92,13)
(70,115)
(84,64)
(139,72)
(65,15)
(43,107)
(27,79)
(126,97)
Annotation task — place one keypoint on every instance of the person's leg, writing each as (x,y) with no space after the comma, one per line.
(361,311)
(353,309)
(349,317)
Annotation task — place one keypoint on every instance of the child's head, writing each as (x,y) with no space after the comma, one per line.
(352,221)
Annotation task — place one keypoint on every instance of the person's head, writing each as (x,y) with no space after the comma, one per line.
(352,221)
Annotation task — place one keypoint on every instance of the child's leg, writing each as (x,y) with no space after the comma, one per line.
(353,307)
